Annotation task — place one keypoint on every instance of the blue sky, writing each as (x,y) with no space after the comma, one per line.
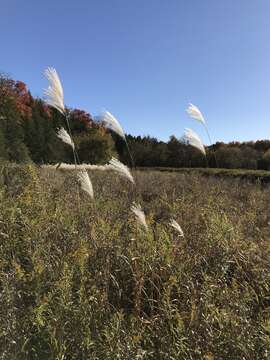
(145,60)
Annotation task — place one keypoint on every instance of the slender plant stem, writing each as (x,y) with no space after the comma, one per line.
(67,117)
(135,190)
(75,156)
(76,160)
(210,141)
(130,155)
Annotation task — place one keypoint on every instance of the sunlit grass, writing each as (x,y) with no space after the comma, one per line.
(82,280)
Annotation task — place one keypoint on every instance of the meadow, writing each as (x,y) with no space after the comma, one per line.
(81,279)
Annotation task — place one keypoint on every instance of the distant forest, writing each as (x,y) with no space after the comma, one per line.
(28,134)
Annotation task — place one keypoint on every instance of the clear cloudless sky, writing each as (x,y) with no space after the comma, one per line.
(145,60)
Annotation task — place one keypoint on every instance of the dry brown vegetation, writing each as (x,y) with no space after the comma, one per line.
(81,280)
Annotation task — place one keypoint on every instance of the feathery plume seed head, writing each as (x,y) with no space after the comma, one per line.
(54,93)
(85,182)
(177,227)
(195,113)
(137,210)
(122,169)
(194,140)
(111,123)
(64,136)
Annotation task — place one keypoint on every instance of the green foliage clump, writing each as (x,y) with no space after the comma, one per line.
(95,147)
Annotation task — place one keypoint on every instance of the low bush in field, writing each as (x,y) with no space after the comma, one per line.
(80,280)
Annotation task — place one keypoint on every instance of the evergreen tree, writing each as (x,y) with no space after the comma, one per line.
(40,136)
(3,152)
(12,131)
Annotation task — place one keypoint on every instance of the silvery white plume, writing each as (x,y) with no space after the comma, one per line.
(54,93)
(177,227)
(122,169)
(195,113)
(194,140)
(137,210)
(85,182)
(64,136)
(112,123)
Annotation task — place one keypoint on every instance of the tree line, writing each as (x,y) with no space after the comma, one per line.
(28,130)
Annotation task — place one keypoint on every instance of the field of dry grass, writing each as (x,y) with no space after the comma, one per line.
(80,279)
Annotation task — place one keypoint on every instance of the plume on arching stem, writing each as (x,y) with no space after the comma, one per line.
(177,227)
(121,169)
(64,136)
(85,182)
(55,98)
(194,140)
(194,112)
(137,210)
(54,93)
(111,123)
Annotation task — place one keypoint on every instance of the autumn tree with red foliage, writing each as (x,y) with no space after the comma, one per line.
(18,92)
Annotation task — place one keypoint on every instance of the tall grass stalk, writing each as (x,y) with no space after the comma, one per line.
(55,98)
(195,113)
(140,216)
(113,124)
